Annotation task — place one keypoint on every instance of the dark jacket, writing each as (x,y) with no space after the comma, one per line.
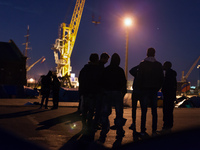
(89,79)
(46,84)
(114,79)
(170,82)
(150,74)
(56,84)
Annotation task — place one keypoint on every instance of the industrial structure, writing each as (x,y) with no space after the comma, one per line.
(28,67)
(63,46)
(184,85)
(184,77)
(12,70)
(12,64)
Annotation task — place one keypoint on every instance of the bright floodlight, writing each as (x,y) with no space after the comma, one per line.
(128,22)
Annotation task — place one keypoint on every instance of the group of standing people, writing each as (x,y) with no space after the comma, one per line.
(50,83)
(101,88)
(149,77)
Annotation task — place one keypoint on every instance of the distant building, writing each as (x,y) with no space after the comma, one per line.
(12,66)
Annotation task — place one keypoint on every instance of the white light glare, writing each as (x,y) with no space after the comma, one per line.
(128,22)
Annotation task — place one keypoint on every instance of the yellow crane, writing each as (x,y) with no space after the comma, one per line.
(64,45)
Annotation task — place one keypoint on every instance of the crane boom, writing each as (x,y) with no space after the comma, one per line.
(31,66)
(64,45)
(184,78)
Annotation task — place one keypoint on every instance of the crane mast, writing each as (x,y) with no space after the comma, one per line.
(64,45)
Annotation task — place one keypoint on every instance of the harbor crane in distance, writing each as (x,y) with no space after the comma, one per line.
(63,46)
(184,78)
(28,67)
(31,66)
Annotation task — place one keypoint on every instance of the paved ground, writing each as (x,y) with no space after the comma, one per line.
(60,129)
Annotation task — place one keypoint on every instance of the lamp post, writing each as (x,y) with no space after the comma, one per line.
(128,23)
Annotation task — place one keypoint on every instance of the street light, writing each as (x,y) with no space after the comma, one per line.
(128,23)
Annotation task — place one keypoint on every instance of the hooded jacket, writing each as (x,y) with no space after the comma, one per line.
(114,77)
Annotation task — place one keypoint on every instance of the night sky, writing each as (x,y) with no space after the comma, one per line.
(172,27)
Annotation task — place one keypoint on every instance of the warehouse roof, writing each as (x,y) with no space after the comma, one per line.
(10,52)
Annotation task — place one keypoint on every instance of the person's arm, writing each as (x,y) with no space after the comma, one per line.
(133,71)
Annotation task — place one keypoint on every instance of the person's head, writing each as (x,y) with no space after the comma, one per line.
(104,58)
(167,65)
(94,58)
(54,75)
(151,52)
(115,60)
(49,73)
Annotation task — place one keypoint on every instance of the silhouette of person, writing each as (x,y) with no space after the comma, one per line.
(114,84)
(169,88)
(89,89)
(136,95)
(97,122)
(55,89)
(103,59)
(46,82)
(150,79)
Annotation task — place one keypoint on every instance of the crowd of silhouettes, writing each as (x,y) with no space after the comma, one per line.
(102,88)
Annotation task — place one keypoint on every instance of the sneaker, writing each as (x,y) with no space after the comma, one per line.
(143,135)
(165,131)
(117,144)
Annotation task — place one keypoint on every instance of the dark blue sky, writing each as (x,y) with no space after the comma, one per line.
(172,27)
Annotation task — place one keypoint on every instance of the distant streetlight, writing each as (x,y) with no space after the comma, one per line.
(127,23)
(31,80)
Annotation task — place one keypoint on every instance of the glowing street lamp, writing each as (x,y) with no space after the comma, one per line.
(127,23)
(31,80)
